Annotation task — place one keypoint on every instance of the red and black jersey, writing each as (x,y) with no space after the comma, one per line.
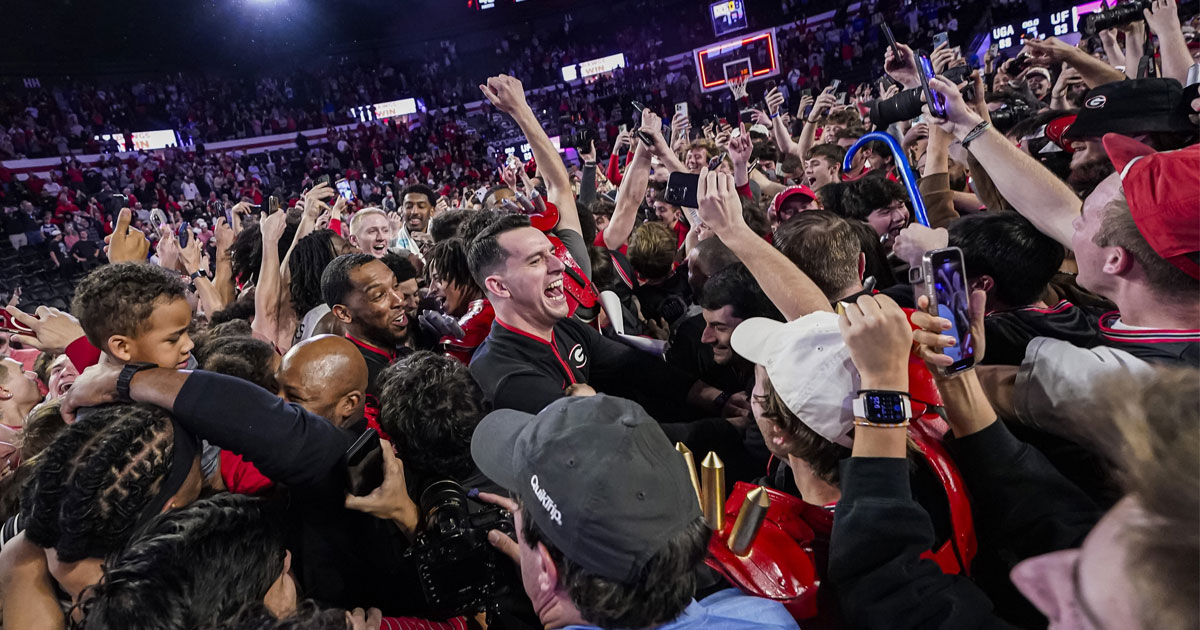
(1010,331)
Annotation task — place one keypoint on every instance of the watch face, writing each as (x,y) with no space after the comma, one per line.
(885,408)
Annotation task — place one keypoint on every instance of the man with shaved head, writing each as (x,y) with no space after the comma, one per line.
(326,375)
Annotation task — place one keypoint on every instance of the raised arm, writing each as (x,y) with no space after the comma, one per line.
(223,270)
(629,198)
(1051,51)
(1032,190)
(779,128)
(1163,18)
(508,95)
(266,291)
(652,127)
(808,135)
(792,292)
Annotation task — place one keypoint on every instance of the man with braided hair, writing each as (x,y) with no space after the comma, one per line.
(308,260)
(99,482)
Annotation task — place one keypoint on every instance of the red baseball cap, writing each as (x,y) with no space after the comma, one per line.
(789,192)
(1163,196)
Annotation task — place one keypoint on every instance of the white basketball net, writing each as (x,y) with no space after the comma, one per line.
(737,85)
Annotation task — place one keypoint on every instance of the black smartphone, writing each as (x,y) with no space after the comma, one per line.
(681,190)
(364,464)
(891,39)
(747,116)
(937,106)
(949,297)
(324,179)
(638,108)
(183,233)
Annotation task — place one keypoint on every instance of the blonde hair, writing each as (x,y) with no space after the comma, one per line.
(356,221)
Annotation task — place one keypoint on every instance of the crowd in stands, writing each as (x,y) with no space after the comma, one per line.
(703,370)
(60,118)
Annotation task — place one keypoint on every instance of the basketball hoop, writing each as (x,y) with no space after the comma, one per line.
(737,85)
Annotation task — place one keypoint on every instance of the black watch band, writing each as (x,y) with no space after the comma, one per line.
(721,399)
(126,377)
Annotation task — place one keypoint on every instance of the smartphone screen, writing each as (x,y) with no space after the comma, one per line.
(936,105)
(183,233)
(949,297)
(343,188)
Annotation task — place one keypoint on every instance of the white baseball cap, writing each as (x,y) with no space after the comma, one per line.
(809,366)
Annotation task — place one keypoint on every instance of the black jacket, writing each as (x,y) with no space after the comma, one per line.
(341,557)
(517,370)
(1022,508)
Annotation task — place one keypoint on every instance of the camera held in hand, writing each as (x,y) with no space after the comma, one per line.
(582,140)
(460,571)
(1120,15)
(907,104)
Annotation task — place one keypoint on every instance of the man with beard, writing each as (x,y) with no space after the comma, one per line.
(364,295)
(416,202)
(1147,110)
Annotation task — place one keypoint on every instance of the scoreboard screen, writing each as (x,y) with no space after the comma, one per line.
(727,16)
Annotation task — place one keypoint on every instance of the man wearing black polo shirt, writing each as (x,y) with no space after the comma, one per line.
(363,294)
(535,351)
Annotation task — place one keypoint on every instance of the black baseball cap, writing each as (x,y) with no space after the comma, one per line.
(604,484)
(1130,107)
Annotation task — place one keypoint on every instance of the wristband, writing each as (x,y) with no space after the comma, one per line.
(773,116)
(197,274)
(975,133)
(126,376)
(721,399)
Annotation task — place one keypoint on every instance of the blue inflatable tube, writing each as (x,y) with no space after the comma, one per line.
(906,174)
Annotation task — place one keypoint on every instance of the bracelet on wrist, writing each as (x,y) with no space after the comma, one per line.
(975,132)
(773,116)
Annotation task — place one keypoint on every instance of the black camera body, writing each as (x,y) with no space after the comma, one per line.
(907,104)
(1119,15)
(581,140)
(460,571)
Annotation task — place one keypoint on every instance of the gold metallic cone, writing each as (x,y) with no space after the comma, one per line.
(691,466)
(749,520)
(713,491)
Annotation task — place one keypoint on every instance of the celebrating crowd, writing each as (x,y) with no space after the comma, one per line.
(919,351)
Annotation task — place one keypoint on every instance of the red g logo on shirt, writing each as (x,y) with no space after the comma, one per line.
(577,356)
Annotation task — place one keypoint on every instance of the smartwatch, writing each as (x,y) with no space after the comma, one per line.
(126,376)
(882,408)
